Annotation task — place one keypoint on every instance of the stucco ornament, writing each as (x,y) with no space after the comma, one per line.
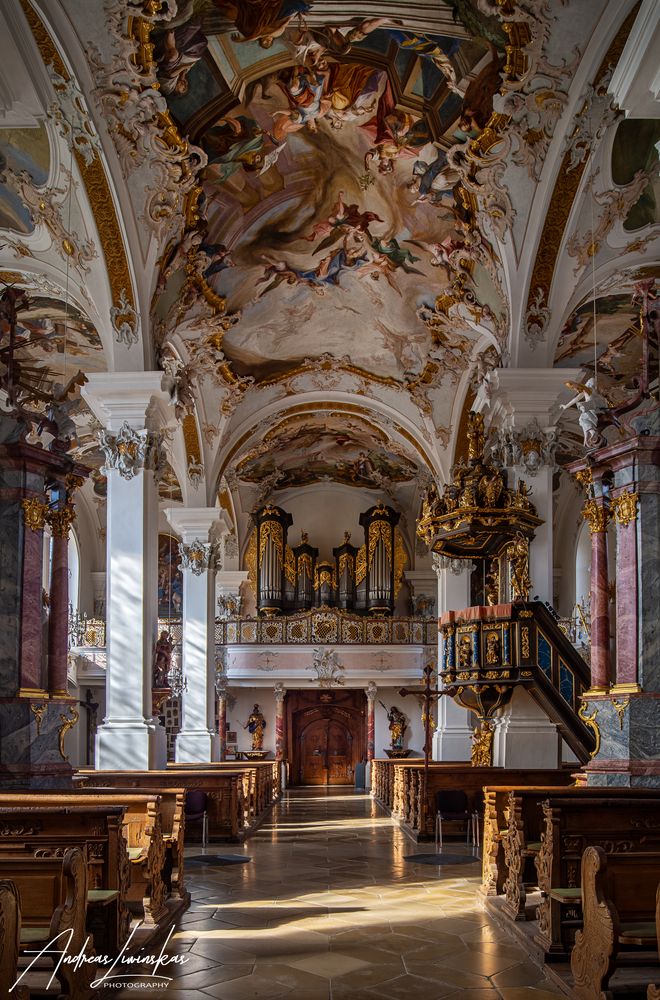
(128,452)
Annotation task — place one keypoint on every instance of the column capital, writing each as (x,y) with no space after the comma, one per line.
(198,523)
(456,566)
(280,692)
(137,399)
(371,691)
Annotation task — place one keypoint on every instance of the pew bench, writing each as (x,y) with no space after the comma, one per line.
(172,814)
(10,933)
(620,906)
(614,819)
(49,825)
(224,791)
(52,896)
(137,868)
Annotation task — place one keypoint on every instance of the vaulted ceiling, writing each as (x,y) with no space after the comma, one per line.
(325,225)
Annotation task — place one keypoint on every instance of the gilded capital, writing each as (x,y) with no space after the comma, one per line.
(61,520)
(596,514)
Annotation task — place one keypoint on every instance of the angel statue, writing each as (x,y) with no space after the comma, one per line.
(591,406)
(255,726)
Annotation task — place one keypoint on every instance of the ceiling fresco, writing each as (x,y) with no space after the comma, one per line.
(314,447)
(328,194)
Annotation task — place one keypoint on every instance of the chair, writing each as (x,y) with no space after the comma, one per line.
(453,805)
(195,810)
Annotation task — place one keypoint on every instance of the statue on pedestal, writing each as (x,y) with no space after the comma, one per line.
(255,726)
(398,726)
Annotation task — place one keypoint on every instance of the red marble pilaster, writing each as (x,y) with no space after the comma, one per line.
(600,617)
(279,723)
(31,626)
(222,726)
(371,727)
(58,622)
(626,603)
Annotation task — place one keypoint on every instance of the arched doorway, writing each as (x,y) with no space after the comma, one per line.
(327,736)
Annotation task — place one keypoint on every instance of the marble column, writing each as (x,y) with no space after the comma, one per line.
(280,743)
(133,408)
(199,529)
(222,723)
(60,520)
(595,511)
(33,725)
(371,693)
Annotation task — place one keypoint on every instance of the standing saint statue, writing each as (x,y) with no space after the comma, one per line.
(398,726)
(518,553)
(162,660)
(256,725)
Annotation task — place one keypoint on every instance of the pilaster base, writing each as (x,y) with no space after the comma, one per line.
(32,750)
(130,746)
(628,755)
(197,747)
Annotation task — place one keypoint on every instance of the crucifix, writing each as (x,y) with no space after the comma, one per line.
(428,696)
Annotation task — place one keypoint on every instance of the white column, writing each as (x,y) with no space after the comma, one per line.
(131,407)
(452,739)
(197,741)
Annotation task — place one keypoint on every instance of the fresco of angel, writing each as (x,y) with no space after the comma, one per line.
(344,220)
(261,20)
(394,132)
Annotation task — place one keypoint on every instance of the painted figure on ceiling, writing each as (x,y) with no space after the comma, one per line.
(262,20)
(395,133)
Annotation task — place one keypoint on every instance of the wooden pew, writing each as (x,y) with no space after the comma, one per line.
(226,812)
(262,784)
(653,991)
(47,826)
(53,901)
(407,788)
(619,909)
(10,936)
(173,825)
(614,819)
(145,849)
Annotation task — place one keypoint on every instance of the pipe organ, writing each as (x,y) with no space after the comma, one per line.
(289,580)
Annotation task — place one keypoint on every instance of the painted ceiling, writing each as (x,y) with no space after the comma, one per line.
(309,448)
(330,252)
(328,194)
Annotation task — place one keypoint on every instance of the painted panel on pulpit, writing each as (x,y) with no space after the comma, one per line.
(170,577)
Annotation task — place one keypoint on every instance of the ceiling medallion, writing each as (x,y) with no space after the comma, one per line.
(477,515)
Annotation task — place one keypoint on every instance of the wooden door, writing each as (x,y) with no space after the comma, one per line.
(326,753)
(326,736)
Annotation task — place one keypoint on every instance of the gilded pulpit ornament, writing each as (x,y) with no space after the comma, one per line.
(478,515)
(482,745)
(518,553)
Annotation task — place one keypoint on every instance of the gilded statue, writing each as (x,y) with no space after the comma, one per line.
(398,726)
(493,584)
(255,726)
(162,660)
(492,648)
(482,746)
(518,554)
(465,652)
(475,435)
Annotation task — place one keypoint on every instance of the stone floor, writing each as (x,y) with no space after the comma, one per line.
(328,909)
